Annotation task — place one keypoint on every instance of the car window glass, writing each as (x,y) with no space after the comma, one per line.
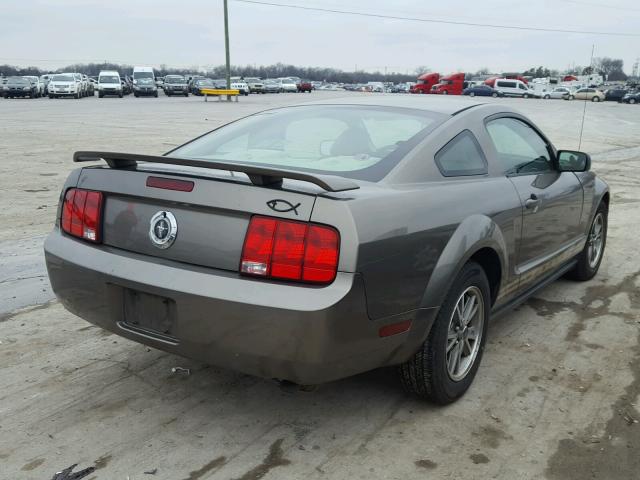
(519,147)
(355,141)
(461,156)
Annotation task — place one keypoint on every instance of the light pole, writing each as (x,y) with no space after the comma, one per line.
(226,47)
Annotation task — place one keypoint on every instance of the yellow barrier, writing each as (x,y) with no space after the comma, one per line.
(219,92)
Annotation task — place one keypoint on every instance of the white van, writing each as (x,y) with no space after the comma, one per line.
(513,88)
(144,82)
(109,83)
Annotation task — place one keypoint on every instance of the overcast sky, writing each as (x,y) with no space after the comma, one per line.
(55,33)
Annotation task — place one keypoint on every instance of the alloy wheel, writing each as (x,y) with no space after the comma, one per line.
(595,241)
(464,337)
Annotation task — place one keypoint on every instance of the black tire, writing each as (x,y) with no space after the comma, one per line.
(186,94)
(632,101)
(494,94)
(100,95)
(426,374)
(547,97)
(526,95)
(156,95)
(586,270)
(51,96)
(595,99)
(135,95)
(121,95)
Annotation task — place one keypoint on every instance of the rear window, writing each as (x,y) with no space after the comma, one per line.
(362,142)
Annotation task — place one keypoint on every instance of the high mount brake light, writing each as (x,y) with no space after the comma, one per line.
(82,214)
(290,250)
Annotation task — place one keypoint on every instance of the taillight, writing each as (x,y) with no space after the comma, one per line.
(290,250)
(82,214)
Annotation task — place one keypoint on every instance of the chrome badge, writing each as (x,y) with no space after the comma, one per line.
(163,229)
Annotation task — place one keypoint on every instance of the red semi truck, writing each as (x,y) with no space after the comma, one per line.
(450,85)
(425,82)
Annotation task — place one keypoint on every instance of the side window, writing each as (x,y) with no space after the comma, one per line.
(461,156)
(520,149)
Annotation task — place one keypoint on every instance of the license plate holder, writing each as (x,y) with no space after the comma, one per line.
(149,312)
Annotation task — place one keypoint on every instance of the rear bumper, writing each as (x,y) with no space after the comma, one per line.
(303,334)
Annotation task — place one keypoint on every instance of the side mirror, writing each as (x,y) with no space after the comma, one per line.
(571,161)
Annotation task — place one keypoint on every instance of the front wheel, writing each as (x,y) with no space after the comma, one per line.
(445,92)
(632,101)
(595,99)
(472,94)
(494,94)
(547,97)
(591,256)
(446,364)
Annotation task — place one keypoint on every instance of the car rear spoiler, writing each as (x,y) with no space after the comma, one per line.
(263,176)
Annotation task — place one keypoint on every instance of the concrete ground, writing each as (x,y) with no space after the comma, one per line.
(556,396)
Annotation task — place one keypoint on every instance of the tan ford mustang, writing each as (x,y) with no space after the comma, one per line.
(314,242)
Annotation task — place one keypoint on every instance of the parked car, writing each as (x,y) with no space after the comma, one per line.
(175,85)
(271,86)
(110,83)
(255,85)
(39,85)
(631,97)
(44,79)
(241,86)
(482,91)
(304,86)
(513,88)
(338,252)
(65,85)
(615,94)
(82,86)
(89,88)
(585,94)
(201,83)
(20,87)
(288,85)
(557,93)
(145,87)
(127,85)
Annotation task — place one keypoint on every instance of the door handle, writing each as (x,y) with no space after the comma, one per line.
(532,203)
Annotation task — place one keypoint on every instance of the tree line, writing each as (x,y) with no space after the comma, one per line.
(264,71)
(611,68)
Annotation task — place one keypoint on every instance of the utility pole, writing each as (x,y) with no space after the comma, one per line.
(226,47)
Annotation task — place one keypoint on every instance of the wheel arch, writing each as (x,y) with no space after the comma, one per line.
(478,238)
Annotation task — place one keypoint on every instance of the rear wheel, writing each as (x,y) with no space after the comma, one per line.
(494,94)
(547,97)
(446,364)
(472,94)
(591,256)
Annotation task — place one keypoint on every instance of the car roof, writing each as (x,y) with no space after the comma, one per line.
(448,105)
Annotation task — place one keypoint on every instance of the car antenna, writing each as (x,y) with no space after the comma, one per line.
(584,109)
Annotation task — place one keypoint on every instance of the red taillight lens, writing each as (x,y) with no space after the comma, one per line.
(82,214)
(290,250)
(321,254)
(258,246)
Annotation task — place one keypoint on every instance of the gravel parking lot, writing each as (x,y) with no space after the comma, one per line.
(556,396)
